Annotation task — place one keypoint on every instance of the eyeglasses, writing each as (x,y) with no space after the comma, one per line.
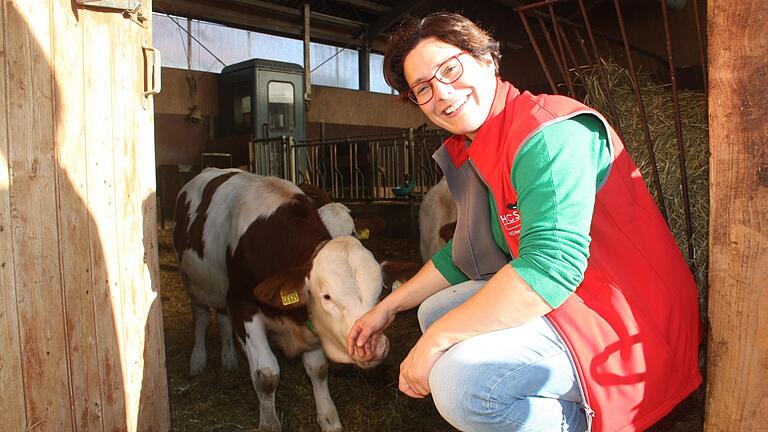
(447,73)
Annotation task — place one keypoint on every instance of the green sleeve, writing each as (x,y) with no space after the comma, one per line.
(556,175)
(443,261)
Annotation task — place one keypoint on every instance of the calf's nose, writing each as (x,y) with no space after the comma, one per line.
(382,350)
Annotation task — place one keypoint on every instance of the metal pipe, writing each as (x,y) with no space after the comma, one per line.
(410,150)
(679,132)
(351,170)
(307,56)
(537,5)
(568,47)
(702,52)
(538,53)
(602,74)
(641,107)
(555,28)
(583,46)
(552,50)
(292,158)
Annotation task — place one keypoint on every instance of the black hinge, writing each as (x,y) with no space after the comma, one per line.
(123,5)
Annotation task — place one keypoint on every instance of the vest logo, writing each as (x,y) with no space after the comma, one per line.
(510,220)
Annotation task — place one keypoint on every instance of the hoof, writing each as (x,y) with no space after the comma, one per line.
(330,424)
(270,426)
(229,363)
(196,368)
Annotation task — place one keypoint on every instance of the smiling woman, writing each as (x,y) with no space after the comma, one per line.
(544,307)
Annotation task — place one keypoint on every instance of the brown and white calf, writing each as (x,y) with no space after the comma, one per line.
(437,219)
(255,249)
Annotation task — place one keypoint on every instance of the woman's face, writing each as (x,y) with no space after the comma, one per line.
(462,106)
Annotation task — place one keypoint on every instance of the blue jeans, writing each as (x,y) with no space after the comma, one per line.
(517,379)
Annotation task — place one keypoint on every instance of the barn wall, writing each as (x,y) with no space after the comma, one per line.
(80,321)
(352,107)
(177,97)
(178,140)
(340,112)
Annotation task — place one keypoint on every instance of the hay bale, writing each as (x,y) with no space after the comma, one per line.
(660,112)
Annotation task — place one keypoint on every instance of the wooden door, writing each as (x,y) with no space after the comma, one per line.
(80,317)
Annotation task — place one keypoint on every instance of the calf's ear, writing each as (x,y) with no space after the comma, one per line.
(447,230)
(395,273)
(283,291)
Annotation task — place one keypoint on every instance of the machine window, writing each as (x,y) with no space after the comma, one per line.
(280,109)
(241,98)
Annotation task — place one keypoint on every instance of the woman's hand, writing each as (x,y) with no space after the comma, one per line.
(364,335)
(415,369)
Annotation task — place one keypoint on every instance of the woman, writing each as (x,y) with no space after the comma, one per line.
(562,301)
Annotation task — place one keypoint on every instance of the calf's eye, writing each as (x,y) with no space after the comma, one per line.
(327,296)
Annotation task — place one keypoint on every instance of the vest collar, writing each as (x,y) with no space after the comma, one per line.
(456,144)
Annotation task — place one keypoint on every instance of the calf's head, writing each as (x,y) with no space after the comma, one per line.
(343,283)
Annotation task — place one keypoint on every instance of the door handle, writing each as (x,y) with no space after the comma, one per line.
(152,72)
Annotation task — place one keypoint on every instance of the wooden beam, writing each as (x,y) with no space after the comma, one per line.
(366,6)
(266,18)
(737,361)
(394,16)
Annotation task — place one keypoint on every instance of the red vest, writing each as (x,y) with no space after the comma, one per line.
(632,326)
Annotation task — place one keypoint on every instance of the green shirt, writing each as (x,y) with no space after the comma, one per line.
(556,175)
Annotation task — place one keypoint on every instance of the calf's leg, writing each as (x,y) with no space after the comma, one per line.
(228,354)
(265,372)
(198,360)
(316,366)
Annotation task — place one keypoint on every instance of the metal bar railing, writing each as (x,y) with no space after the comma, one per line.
(353,168)
(679,135)
(567,62)
(537,50)
(552,51)
(563,60)
(641,108)
(602,74)
(702,52)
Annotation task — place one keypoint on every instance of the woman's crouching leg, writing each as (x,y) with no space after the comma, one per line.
(518,379)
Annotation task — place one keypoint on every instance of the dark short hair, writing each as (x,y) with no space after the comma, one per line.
(451,28)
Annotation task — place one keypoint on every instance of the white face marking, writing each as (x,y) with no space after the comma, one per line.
(345,282)
(337,220)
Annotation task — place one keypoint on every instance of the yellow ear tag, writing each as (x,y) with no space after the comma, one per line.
(290,298)
(363,234)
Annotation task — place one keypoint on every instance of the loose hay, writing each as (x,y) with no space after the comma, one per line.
(660,113)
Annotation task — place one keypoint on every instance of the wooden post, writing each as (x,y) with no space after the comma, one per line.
(737,363)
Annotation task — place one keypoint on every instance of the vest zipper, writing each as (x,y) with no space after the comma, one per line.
(588,411)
